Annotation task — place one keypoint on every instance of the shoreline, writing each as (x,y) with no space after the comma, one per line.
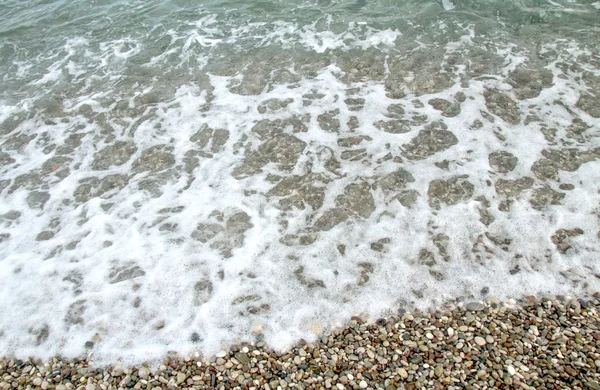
(549,343)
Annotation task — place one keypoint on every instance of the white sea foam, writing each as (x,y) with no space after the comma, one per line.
(448,5)
(123,268)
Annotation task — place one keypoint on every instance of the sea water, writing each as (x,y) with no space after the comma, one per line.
(183,175)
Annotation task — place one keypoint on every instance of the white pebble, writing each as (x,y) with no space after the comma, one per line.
(221,354)
(363,384)
(511,370)
(480,341)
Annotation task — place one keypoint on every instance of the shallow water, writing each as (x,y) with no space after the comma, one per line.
(176,176)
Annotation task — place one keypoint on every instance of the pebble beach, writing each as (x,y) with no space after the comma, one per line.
(549,343)
(299,194)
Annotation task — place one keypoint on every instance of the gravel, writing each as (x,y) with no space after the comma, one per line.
(550,343)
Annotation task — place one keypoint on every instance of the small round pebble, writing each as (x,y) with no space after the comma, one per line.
(480,341)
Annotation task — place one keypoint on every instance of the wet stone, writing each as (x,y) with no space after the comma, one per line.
(561,238)
(298,239)
(207,231)
(569,159)
(37,199)
(274,105)
(429,141)
(154,159)
(313,96)
(154,184)
(308,282)
(449,109)
(125,272)
(504,205)
(115,154)
(566,187)
(441,241)
(4,237)
(224,237)
(353,123)
(266,128)
(75,312)
(191,159)
(57,165)
(72,142)
(349,142)
(545,196)
(395,181)
(44,236)
(502,162)
(242,358)
(212,139)
(282,149)
(477,124)
(449,192)
(501,105)
(202,292)
(10,215)
(5,159)
(76,278)
(93,187)
(475,306)
(590,104)
(238,223)
(169,227)
(329,122)
(355,104)
(379,245)
(428,80)
(301,190)
(485,217)
(513,188)
(545,169)
(354,155)
(528,84)
(577,130)
(356,200)
(500,241)
(394,126)
(395,110)
(11,123)
(18,142)
(28,180)
(549,134)
(365,270)
(426,257)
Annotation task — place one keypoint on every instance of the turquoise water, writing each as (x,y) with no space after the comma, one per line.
(124,37)
(183,175)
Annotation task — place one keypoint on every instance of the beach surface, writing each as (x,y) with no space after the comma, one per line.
(550,343)
(186,177)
